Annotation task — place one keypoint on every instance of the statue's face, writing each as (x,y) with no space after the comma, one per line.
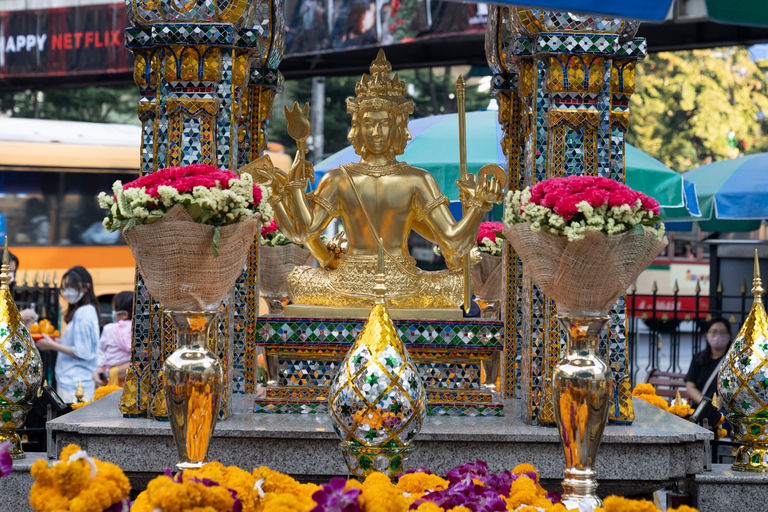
(377,128)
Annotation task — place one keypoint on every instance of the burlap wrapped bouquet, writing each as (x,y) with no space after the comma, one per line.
(586,275)
(190,229)
(486,276)
(276,263)
(175,258)
(584,239)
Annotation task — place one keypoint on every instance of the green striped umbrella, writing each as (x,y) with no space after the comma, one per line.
(435,147)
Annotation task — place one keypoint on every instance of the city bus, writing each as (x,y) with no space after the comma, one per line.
(50,175)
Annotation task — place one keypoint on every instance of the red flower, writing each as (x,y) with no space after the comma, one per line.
(488,230)
(270,228)
(257,195)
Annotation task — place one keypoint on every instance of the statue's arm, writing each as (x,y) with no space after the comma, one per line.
(303,222)
(455,238)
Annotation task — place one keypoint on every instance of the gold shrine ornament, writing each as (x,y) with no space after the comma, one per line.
(743,385)
(21,368)
(377,400)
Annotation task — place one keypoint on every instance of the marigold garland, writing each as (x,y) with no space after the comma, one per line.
(77,483)
(217,488)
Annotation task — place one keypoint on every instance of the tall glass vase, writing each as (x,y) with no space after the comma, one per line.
(582,388)
(193,380)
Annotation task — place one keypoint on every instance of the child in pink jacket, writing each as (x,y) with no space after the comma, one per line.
(115,342)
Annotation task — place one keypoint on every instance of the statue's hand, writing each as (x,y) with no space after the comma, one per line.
(336,247)
(489,190)
(300,168)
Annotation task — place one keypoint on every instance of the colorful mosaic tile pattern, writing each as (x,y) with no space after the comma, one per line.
(485,334)
(573,89)
(433,409)
(192,69)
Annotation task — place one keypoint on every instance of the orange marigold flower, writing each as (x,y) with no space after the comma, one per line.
(721,432)
(683,410)
(285,502)
(275,482)
(655,400)
(619,504)
(459,509)
(682,508)
(428,506)
(103,391)
(523,468)
(379,495)
(644,389)
(420,483)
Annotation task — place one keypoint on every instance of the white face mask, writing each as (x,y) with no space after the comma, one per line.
(72,295)
(718,341)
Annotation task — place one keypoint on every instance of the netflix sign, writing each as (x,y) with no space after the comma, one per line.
(83,40)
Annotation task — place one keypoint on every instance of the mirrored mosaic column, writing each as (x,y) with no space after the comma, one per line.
(193,65)
(498,39)
(575,74)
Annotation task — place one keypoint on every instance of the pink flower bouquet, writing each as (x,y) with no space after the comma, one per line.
(584,239)
(190,229)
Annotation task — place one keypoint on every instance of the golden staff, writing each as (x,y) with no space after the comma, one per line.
(460,95)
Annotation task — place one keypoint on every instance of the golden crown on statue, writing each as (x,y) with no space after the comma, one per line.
(379,92)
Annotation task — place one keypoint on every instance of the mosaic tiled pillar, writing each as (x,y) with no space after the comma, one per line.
(505,79)
(575,74)
(193,65)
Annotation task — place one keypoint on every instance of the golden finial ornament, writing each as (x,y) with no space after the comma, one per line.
(377,401)
(79,392)
(743,385)
(21,369)
(678,399)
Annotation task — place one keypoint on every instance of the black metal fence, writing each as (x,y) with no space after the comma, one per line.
(42,296)
(671,325)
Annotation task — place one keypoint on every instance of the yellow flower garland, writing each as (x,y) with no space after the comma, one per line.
(71,486)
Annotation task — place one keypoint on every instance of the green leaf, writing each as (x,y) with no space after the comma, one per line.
(499,234)
(195,211)
(637,229)
(133,221)
(205,215)
(216,237)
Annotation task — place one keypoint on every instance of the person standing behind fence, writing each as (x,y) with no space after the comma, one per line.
(77,346)
(115,342)
(701,379)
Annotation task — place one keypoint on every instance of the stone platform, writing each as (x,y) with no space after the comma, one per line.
(633,460)
(722,489)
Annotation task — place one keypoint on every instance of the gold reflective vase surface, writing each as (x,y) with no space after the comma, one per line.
(581,388)
(193,380)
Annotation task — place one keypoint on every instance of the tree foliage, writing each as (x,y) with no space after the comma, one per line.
(90,104)
(694,107)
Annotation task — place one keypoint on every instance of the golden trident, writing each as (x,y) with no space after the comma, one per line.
(467,181)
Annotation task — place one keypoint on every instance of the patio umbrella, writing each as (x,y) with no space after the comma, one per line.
(733,194)
(435,147)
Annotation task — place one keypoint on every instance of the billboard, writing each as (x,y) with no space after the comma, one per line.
(64,41)
(86,38)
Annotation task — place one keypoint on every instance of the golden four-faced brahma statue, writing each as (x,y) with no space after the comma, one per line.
(376,198)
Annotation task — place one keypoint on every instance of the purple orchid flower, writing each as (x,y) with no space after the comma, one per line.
(554,497)
(6,462)
(120,506)
(477,470)
(420,469)
(333,498)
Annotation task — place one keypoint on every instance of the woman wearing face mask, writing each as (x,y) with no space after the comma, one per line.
(77,346)
(115,343)
(701,379)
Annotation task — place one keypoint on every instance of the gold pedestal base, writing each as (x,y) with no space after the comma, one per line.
(305,311)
